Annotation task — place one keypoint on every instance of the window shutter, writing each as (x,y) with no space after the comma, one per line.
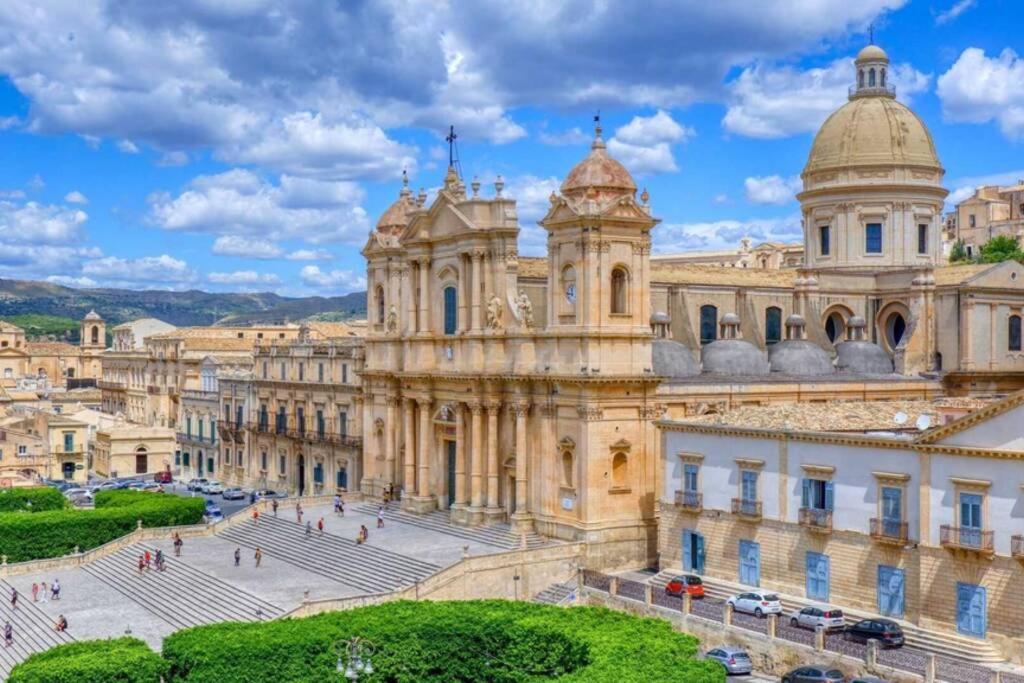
(805,500)
(829,495)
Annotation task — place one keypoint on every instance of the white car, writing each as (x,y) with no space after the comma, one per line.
(758,604)
(78,493)
(212,486)
(830,618)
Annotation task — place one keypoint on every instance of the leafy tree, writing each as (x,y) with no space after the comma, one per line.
(959,252)
(1001,248)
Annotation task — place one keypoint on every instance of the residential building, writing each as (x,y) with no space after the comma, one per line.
(991,211)
(764,256)
(127,450)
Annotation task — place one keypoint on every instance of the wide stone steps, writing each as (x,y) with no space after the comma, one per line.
(181,595)
(497,535)
(556,594)
(950,644)
(364,567)
(33,630)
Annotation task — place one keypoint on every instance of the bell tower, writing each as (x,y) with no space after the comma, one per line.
(93,332)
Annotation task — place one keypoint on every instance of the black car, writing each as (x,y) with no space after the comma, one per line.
(815,673)
(886,631)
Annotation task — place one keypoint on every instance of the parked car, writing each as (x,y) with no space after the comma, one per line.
(196,484)
(154,487)
(233,493)
(136,485)
(108,485)
(815,673)
(758,604)
(830,618)
(689,583)
(212,486)
(886,631)
(270,493)
(163,477)
(734,659)
(77,492)
(213,511)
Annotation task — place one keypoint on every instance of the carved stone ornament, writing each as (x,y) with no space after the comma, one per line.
(391,325)
(494,310)
(589,413)
(525,309)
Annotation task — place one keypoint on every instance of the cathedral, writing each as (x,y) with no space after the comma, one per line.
(500,388)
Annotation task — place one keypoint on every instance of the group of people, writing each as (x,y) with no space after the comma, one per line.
(147,560)
(40,593)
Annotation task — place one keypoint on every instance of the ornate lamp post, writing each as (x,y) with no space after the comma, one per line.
(354,658)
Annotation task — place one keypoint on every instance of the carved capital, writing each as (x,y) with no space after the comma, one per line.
(520,408)
(653,412)
(392,401)
(476,408)
(548,410)
(424,403)
(589,413)
(492,407)
(477,254)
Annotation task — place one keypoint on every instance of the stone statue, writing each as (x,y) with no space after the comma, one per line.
(494,312)
(525,307)
(392,320)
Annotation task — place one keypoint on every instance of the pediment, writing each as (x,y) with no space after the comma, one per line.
(11,352)
(1000,276)
(443,219)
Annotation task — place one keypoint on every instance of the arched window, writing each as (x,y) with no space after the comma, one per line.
(883,78)
(834,326)
(451,303)
(620,471)
(569,288)
(860,78)
(871,78)
(380,304)
(95,334)
(568,469)
(620,290)
(141,460)
(895,327)
(1014,333)
(708,324)
(772,325)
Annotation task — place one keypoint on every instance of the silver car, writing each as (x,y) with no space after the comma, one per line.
(829,618)
(735,660)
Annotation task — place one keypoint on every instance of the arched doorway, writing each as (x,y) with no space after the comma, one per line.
(141,461)
(302,474)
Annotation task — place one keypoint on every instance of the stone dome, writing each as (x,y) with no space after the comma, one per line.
(396,217)
(92,315)
(659,317)
(600,171)
(872,53)
(733,357)
(799,357)
(671,359)
(862,358)
(872,131)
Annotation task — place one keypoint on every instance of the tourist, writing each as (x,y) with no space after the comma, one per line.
(238,556)
(258,556)
(274,505)
(380,517)
(298,511)
(44,592)
(8,634)
(35,592)
(55,589)
(142,564)
(14,598)
(252,497)
(149,559)
(309,529)
(61,625)
(320,526)
(177,544)
(341,506)
(256,517)
(160,560)
(364,534)
(337,503)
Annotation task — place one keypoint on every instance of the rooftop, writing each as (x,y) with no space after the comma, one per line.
(51,349)
(690,273)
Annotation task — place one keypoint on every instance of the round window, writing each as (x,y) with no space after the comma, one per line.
(895,327)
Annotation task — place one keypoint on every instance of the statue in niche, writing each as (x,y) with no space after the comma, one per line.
(494,312)
(392,321)
(525,307)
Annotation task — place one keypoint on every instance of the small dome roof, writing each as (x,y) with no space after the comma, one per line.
(730,319)
(396,217)
(599,171)
(92,315)
(799,357)
(872,131)
(733,357)
(862,358)
(660,317)
(872,53)
(671,359)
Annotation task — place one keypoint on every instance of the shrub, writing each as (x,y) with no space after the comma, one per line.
(42,498)
(56,532)
(126,660)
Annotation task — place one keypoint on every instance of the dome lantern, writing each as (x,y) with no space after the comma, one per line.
(872,74)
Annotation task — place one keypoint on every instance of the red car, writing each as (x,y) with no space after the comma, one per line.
(163,477)
(688,583)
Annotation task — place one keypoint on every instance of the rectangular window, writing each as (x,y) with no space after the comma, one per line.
(300,420)
(344,373)
(890,591)
(922,238)
(817,494)
(342,424)
(970,519)
(748,486)
(873,238)
(972,221)
(817,576)
(750,563)
(213,431)
(449,310)
(824,240)
(202,429)
(318,473)
(282,464)
(22,450)
(238,455)
(302,371)
(69,442)
(239,414)
(188,427)
(971,609)
(320,372)
(282,421)
(321,426)
(284,374)
(263,461)
(177,458)
(690,478)
(265,369)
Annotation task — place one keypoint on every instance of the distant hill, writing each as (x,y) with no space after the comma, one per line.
(25,297)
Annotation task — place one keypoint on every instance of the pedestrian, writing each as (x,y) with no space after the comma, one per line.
(258,556)
(14,598)
(149,559)
(298,511)
(142,564)
(337,503)
(320,526)
(55,589)
(61,625)
(380,517)
(273,504)
(341,506)
(160,560)
(309,529)
(177,544)
(44,592)
(8,634)
(252,497)
(364,534)
(256,517)
(35,592)
(238,556)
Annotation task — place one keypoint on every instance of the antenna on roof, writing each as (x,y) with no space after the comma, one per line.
(453,151)
(924,422)
(900,418)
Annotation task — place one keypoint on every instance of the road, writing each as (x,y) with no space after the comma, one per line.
(228,507)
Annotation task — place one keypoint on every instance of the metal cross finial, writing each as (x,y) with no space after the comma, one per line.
(871,33)
(597,123)
(451,145)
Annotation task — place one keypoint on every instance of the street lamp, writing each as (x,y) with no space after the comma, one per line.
(354,658)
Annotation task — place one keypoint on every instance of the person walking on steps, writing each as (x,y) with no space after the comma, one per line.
(238,556)
(44,592)
(320,526)
(380,517)
(256,517)
(14,599)
(298,511)
(8,634)
(61,625)
(309,529)
(337,503)
(341,506)
(177,544)
(160,560)
(258,556)
(142,564)
(55,589)
(35,592)
(274,506)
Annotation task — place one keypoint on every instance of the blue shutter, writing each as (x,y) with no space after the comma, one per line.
(971,609)
(450,310)
(750,563)
(891,582)
(805,499)
(829,495)
(687,554)
(699,560)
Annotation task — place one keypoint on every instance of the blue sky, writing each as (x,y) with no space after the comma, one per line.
(249,145)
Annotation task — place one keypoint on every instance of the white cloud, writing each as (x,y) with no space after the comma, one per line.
(337,281)
(34,223)
(35,183)
(239,245)
(965,187)
(532,195)
(241,203)
(244,277)
(76,197)
(175,158)
(644,144)
(721,198)
(958,8)
(68,281)
(7,122)
(309,255)
(147,271)
(979,89)
(725,234)
(769,101)
(573,136)
(773,189)
(128,147)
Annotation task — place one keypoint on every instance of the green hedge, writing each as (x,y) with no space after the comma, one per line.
(127,660)
(42,498)
(54,533)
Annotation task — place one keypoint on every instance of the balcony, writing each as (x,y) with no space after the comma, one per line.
(866,90)
(1017,546)
(748,509)
(816,519)
(690,501)
(110,385)
(225,431)
(889,531)
(967,539)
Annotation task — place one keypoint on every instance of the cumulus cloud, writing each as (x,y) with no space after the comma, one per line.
(127,146)
(573,136)
(771,101)
(644,144)
(964,187)
(336,281)
(957,8)
(76,197)
(240,245)
(979,89)
(532,203)
(244,277)
(309,255)
(69,281)
(773,189)
(35,223)
(241,203)
(725,234)
(146,272)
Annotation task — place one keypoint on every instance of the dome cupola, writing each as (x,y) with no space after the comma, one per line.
(396,217)
(598,174)
(857,356)
(798,356)
(731,355)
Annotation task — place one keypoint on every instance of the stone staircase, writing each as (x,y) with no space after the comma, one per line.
(33,630)
(950,644)
(497,535)
(363,567)
(181,595)
(557,594)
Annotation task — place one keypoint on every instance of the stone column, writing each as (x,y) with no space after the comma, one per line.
(423,462)
(409,298)
(460,454)
(474,290)
(390,437)
(476,455)
(409,485)
(464,302)
(493,409)
(521,518)
(424,295)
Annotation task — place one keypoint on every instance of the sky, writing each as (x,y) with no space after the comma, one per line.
(250,145)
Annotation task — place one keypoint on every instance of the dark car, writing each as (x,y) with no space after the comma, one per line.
(270,493)
(887,632)
(688,583)
(815,673)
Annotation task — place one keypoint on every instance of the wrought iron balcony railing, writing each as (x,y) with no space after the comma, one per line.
(967,538)
(889,531)
(746,508)
(690,500)
(816,519)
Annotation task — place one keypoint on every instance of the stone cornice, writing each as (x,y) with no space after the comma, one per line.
(521,377)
